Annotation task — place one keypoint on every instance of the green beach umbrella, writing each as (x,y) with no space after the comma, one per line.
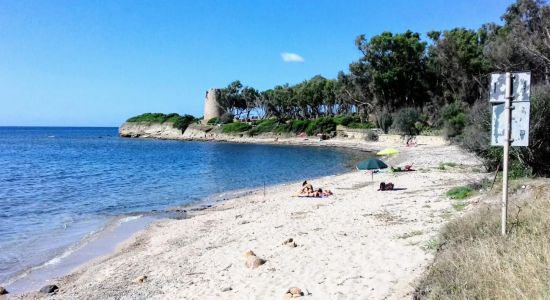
(388,151)
(371,164)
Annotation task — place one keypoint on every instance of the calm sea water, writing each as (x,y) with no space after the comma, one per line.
(59,184)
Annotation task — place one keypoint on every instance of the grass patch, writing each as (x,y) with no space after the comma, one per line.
(432,245)
(154,118)
(410,234)
(179,122)
(235,127)
(444,165)
(460,205)
(476,262)
(446,214)
(460,192)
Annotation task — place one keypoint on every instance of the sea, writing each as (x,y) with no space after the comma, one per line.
(68,194)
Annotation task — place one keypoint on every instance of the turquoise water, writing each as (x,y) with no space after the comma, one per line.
(58,185)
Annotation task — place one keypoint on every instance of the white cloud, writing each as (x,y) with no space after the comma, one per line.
(291,57)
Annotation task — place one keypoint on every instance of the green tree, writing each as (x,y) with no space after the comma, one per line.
(396,65)
(458,66)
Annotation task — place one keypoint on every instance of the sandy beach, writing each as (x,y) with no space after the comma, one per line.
(359,243)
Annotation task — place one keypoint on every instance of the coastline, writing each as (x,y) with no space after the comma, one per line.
(252,218)
(104,238)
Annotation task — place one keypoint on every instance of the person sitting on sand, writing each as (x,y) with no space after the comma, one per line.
(307,188)
(386,186)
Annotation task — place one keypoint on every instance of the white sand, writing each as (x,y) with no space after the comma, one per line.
(353,245)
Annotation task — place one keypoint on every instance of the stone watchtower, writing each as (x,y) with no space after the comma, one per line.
(212,108)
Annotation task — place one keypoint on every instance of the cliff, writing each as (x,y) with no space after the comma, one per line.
(150,130)
(213,133)
(167,131)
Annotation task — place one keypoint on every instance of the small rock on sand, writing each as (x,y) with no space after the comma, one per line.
(291,243)
(253,261)
(3,291)
(227,289)
(294,292)
(48,289)
(140,279)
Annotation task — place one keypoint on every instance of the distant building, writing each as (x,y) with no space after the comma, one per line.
(212,108)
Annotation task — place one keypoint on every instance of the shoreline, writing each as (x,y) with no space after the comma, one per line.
(104,240)
(217,206)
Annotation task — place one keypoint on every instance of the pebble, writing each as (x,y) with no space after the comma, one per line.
(48,289)
(227,289)
(294,292)
(3,291)
(253,261)
(140,279)
(290,242)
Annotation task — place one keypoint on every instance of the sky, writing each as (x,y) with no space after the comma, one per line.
(97,63)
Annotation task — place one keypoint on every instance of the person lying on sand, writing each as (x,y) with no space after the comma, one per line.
(386,186)
(307,188)
(325,193)
(317,194)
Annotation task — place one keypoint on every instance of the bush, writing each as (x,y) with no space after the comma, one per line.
(454,120)
(235,127)
(372,135)
(269,126)
(321,125)
(213,121)
(384,121)
(154,118)
(534,159)
(347,120)
(355,125)
(299,126)
(179,122)
(460,192)
(227,118)
(404,121)
(182,122)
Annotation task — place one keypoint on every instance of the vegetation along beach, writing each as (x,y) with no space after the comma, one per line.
(180,150)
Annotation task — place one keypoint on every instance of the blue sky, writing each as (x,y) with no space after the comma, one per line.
(96,63)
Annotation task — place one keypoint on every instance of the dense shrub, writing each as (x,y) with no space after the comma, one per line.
(227,118)
(454,120)
(537,155)
(299,126)
(235,127)
(534,159)
(321,125)
(404,121)
(179,122)
(366,125)
(213,121)
(154,118)
(182,122)
(384,121)
(372,136)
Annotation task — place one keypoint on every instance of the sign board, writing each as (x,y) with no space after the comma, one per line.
(521,87)
(520,124)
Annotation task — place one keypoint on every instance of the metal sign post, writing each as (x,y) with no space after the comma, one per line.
(507,140)
(510,123)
